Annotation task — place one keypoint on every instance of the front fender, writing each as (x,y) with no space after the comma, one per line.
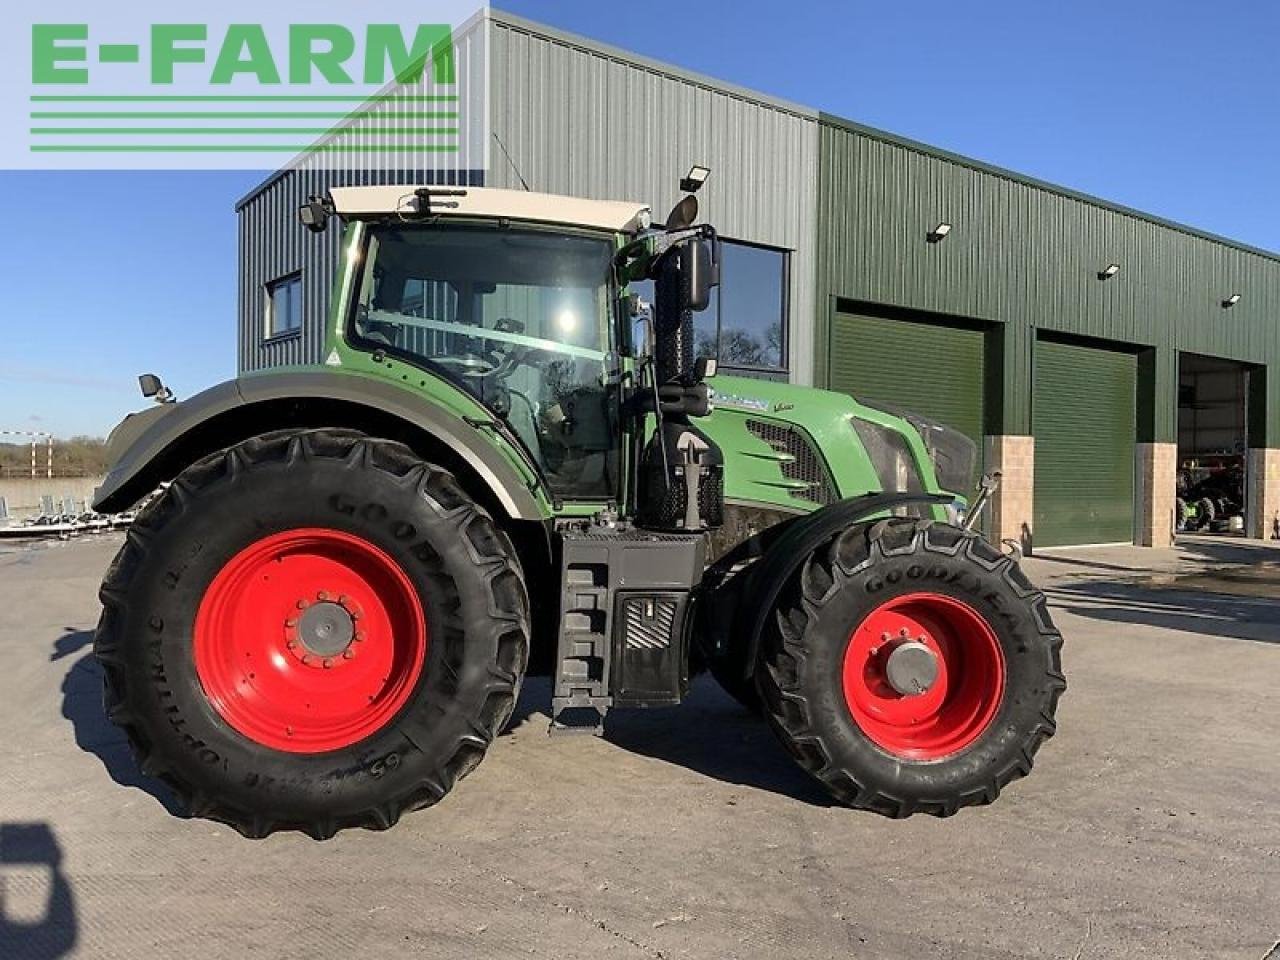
(755,597)
(164,439)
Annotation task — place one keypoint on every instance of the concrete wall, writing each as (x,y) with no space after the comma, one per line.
(23,494)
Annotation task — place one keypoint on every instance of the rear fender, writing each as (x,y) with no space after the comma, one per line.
(157,444)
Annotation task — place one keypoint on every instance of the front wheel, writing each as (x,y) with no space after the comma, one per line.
(912,668)
(312,630)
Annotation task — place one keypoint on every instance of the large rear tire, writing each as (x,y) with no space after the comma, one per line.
(912,668)
(312,630)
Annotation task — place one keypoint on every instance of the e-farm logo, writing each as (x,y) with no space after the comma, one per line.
(246,93)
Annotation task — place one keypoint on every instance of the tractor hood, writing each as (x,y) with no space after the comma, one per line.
(801,448)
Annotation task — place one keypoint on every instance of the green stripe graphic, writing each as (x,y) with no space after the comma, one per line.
(228,115)
(221,131)
(265,98)
(241,148)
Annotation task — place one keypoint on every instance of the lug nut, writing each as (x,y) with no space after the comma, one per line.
(292,644)
(903,632)
(291,622)
(328,662)
(302,604)
(343,599)
(322,595)
(348,654)
(306,658)
(359,637)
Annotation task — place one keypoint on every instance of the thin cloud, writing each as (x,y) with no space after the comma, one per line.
(60,379)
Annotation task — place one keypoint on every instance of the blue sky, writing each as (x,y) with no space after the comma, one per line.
(1172,107)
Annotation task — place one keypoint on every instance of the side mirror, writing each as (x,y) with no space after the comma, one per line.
(153,388)
(683,214)
(697,263)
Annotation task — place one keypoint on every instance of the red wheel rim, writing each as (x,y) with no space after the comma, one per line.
(954,709)
(269,640)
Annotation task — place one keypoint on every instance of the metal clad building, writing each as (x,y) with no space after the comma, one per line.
(1009,327)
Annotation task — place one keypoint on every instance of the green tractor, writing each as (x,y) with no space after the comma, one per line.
(508,462)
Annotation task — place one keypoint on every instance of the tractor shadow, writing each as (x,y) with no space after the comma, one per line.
(1194,608)
(709,734)
(94,733)
(38,919)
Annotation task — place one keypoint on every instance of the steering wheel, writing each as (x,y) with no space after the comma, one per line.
(468,364)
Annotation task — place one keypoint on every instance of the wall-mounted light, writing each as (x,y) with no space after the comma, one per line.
(938,233)
(1231,301)
(695,178)
(1109,271)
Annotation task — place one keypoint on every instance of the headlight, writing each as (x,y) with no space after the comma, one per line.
(953,454)
(890,456)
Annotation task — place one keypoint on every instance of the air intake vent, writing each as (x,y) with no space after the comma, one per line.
(802,463)
(649,622)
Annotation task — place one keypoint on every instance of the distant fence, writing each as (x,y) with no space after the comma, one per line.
(35,437)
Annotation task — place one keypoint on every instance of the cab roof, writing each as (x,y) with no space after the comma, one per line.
(490,202)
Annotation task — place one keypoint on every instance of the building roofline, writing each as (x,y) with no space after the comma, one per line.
(874,133)
(632,58)
(534,28)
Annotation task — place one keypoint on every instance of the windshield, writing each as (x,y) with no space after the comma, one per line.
(519,318)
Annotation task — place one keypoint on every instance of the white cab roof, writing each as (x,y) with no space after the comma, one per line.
(491,202)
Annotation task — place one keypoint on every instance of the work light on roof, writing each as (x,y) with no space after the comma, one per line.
(1109,271)
(1231,301)
(938,233)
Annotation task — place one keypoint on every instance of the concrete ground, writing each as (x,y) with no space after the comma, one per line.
(1149,827)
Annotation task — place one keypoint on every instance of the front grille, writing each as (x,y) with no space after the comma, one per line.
(805,465)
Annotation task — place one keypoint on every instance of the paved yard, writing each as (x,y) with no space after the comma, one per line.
(1149,827)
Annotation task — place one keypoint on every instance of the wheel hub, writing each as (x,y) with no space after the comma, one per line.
(923,675)
(326,629)
(310,640)
(911,668)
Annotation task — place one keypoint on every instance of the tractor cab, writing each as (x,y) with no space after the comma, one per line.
(519,299)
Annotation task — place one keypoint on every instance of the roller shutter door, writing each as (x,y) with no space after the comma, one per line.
(932,370)
(1084,419)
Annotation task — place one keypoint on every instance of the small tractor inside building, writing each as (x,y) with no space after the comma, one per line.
(507,462)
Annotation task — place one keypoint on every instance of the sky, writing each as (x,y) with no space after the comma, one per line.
(1171,107)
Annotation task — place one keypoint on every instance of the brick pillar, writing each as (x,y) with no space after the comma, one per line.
(1262,498)
(1009,515)
(1157,493)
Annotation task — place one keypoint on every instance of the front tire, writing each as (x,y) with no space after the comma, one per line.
(912,668)
(312,630)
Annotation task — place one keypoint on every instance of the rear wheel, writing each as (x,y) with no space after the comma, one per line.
(312,630)
(913,668)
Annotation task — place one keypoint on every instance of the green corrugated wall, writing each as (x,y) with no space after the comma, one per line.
(1023,257)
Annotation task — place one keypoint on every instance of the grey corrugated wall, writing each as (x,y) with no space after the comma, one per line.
(273,244)
(584,119)
(588,120)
